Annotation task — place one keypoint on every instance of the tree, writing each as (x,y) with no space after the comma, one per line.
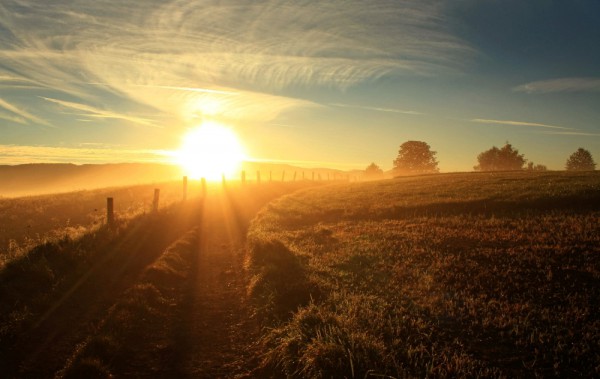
(373,171)
(504,159)
(581,160)
(536,167)
(415,157)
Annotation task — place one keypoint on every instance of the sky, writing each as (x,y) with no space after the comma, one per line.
(335,84)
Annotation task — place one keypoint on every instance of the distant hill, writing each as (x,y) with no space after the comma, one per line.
(31,179)
(34,179)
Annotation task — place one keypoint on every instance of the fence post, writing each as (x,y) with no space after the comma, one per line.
(319,176)
(203,180)
(155,201)
(295,172)
(223,180)
(283,176)
(313,176)
(270,176)
(258,177)
(185,185)
(110,213)
(243,177)
(303,175)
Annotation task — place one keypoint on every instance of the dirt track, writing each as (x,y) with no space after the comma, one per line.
(207,330)
(221,329)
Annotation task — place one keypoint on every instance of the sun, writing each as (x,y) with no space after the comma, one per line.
(209,151)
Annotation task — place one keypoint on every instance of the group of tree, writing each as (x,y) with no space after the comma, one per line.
(416,157)
(508,158)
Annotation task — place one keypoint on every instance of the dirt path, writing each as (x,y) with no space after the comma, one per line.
(218,334)
(220,327)
(207,329)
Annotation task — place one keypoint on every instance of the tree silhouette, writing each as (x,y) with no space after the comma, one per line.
(415,157)
(581,160)
(373,171)
(536,167)
(504,159)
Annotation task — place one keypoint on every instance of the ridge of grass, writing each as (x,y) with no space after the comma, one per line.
(144,316)
(459,275)
(59,285)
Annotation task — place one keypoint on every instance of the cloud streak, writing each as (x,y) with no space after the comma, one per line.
(15,154)
(573,134)
(518,123)
(89,111)
(377,109)
(24,115)
(140,49)
(561,85)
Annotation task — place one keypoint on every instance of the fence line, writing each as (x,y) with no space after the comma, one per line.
(110,204)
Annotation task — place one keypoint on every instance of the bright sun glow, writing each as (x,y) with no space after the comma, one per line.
(210,151)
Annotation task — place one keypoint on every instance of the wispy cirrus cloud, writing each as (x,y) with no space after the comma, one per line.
(15,154)
(518,123)
(377,109)
(24,116)
(93,112)
(585,134)
(561,85)
(140,49)
(16,119)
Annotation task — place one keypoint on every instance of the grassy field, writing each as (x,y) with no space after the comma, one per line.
(128,299)
(26,222)
(458,275)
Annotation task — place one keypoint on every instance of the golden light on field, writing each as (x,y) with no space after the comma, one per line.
(209,151)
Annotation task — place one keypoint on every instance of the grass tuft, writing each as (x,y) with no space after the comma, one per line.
(279,284)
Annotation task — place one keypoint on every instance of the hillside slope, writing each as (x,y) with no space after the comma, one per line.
(459,275)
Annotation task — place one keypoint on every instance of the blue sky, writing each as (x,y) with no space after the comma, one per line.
(336,83)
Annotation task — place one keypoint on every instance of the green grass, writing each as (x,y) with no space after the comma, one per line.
(458,275)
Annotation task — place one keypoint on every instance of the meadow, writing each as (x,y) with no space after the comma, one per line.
(450,275)
(74,304)
(28,221)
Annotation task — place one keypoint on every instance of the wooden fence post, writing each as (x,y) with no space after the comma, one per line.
(243,177)
(283,176)
(302,175)
(110,213)
(185,185)
(270,176)
(258,177)
(313,176)
(203,180)
(223,180)
(155,201)
(295,172)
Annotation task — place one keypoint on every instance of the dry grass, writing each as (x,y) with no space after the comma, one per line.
(464,275)
(135,335)
(26,222)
